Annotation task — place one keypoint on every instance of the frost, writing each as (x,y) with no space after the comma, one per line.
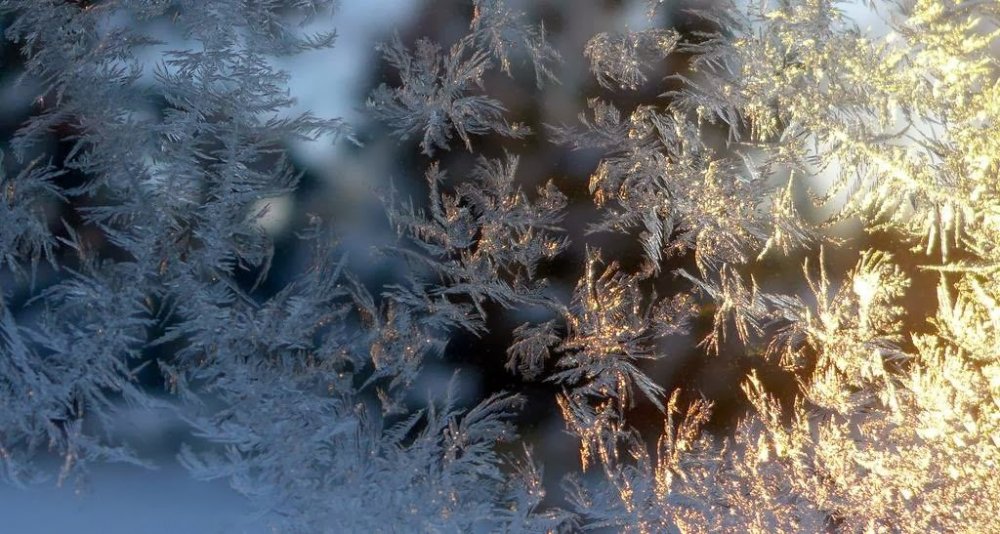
(299,390)
(434,101)
(618,60)
(487,239)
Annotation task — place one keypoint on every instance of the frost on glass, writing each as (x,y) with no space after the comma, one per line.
(302,396)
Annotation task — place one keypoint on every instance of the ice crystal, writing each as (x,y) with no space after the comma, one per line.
(434,98)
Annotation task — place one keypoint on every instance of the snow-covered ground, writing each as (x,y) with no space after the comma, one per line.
(128,500)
